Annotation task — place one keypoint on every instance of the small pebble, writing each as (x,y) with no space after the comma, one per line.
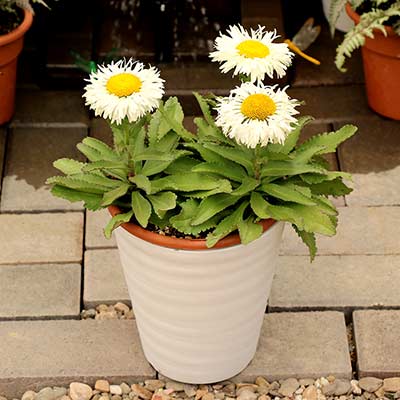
(80,391)
(370,384)
(102,386)
(142,392)
(115,389)
(29,395)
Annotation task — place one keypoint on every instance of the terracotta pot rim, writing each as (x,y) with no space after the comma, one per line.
(356,18)
(19,31)
(181,243)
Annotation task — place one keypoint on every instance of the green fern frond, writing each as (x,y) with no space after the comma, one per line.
(354,39)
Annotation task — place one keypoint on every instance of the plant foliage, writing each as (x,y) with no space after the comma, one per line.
(375,15)
(206,184)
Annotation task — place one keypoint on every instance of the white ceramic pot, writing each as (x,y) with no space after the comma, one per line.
(199,313)
(344,22)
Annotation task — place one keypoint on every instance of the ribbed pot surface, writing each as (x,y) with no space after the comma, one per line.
(199,313)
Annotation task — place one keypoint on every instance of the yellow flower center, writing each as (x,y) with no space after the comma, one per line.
(258,106)
(123,84)
(252,49)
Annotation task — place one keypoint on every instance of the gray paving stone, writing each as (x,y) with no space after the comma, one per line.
(341,283)
(44,107)
(373,157)
(301,345)
(30,156)
(94,236)
(40,291)
(104,278)
(330,104)
(36,354)
(377,336)
(41,238)
(361,230)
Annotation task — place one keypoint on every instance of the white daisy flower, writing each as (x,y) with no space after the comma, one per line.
(253,54)
(257,114)
(124,89)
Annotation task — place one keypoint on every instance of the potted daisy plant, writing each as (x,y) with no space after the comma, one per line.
(198,216)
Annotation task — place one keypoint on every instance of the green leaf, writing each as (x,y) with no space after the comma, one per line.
(288,192)
(265,210)
(314,220)
(115,222)
(325,176)
(185,182)
(213,205)
(141,208)
(334,187)
(227,225)
(172,118)
(91,201)
(69,166)
(283,168)
(182,221)
(291,139)
(150,154)
(206,131)
(106,152)
(155,167)
(206,154)
(103,164)
(328,141)
(309,240)
(162,202)
(224,187)
(225,168)
(81,182)
(248,185)
(233,154)
(171,111)
(205,109)
(112,195)
(249,230)
(142,182)
(305,155)
(181,164)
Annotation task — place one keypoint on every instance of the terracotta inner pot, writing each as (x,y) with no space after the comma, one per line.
(181,243)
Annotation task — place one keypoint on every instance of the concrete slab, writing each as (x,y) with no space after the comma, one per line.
(373,157)
(95,223)
(30,157)
(341,283)
(44,291)
(41,238)
(37,354)
(361,231)
(104,279)
(377,336)
(301,345)
(46,107)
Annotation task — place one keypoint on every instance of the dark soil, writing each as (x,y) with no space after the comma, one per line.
(10,20)
(172,232)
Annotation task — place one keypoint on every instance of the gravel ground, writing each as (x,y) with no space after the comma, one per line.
(290,389)
(104,311)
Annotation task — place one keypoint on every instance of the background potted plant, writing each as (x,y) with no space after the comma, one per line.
(377,31)
(16,17)
(200,216)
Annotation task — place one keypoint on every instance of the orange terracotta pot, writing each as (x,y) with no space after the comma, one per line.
(381,57)
(181,243)
(10,47)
